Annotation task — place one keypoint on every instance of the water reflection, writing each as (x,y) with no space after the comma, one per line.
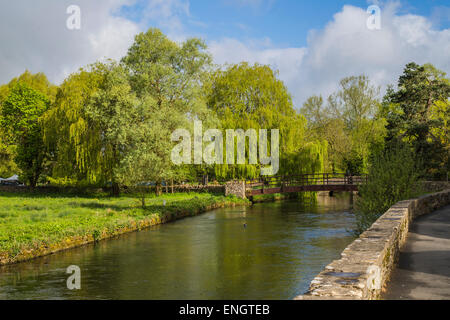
(212,256)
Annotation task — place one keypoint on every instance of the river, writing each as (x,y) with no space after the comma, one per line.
(267,251)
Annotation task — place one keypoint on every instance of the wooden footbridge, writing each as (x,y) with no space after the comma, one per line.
(307,182)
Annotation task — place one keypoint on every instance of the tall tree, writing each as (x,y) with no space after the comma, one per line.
(417,113)
(73,143)
(168,72)
(133,137)
(113,122)
(349,124)
(355,101)
(112,112)
(171,78)
(322,125)
(21,112)
(38,82)
(252,97)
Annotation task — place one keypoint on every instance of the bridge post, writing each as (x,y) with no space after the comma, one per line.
(236,188)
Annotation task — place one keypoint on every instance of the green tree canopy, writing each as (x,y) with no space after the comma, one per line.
(170,73)
(21,112)
(252,97)
(113,121)
(73,143)
(173,77)
(38,82)
(112,113)
(418,113)
(349,124)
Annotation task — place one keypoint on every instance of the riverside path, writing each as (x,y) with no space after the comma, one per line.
(424,264)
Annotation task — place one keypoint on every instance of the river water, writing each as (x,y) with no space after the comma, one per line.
(267,251)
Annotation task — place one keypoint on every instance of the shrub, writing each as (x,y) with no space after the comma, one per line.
(393,176)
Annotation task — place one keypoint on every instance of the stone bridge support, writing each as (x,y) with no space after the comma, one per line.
(236,188)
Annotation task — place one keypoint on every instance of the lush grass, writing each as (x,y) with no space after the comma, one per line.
(30,221)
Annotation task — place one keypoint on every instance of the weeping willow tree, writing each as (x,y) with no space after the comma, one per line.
(113,121)
(307,160)
(74,143)
(252,97)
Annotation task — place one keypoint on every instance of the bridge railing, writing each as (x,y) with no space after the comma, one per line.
(305,180)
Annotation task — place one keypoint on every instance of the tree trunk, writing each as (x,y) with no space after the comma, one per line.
(32,181)
(143,199)
(115,189)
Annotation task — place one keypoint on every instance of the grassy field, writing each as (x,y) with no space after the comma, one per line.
(33,225)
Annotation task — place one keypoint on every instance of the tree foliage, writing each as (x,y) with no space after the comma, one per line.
(348,123)
(418,113)
(252,97)
(112,122)
(38,82)
(393,176)
(21,112)
(73,143)
(169,79)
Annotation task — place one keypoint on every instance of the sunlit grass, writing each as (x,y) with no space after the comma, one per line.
(32,221)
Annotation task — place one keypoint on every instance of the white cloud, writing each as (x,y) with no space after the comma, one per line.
(34,36)
(287,61)
(347,47)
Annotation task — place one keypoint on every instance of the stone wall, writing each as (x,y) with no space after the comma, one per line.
(236,188)
(366,264)
(435,186)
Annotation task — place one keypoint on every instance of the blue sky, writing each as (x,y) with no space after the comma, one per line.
(286,22)
(312,44)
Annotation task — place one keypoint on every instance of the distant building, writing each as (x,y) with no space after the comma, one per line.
(11,181)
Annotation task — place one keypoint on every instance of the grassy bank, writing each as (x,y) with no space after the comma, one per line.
(33,225)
